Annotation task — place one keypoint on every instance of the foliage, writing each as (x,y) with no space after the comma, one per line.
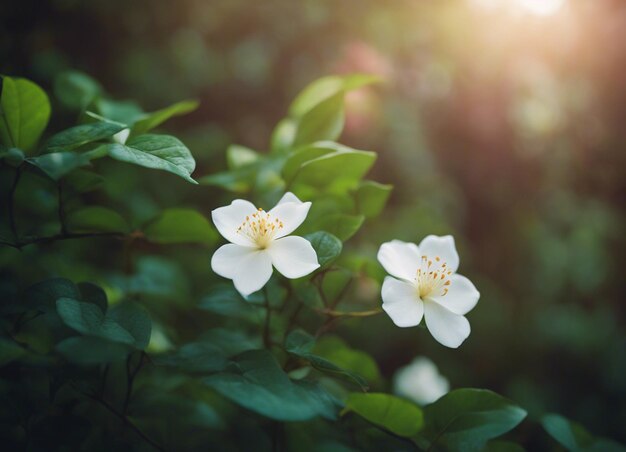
(110,357)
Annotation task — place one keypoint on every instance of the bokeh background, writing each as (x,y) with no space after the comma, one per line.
(500,122)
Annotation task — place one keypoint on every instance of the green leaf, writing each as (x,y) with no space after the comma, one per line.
(158,117)
(154,276)
(240,180)
(319,110)
(196,357)
(371,198)
(239,156)
(96,219)
(326,246)
(59,164)
(84,181)
(78,136)
(9,351)
(338,166)
(43,295)
(92,293)
(89,350)
(397,415)
(323,122)
(24,113)
(127,323)
(255,381)
(283,136)
(180,226)
(302,155)
(125,112)
(76,90)
(12,156)
(502,446)
(327,87)
(88,319)
(300,343)
(336,350)
(574,437)
(465,419)
(340,225)
(163,152)
(134,319)
(224,299)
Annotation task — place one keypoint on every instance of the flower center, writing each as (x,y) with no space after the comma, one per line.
(432,278)
(260,227)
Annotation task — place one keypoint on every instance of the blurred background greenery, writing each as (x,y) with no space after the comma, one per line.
(500,122)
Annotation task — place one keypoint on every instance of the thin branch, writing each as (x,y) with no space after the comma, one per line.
(267,341)
(58,237)
(130,379)
(61,208)
(11,203)
(293,318)
(123,418)
(333,313)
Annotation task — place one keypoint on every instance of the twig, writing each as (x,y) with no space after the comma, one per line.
(267,342)
(130,378)
(293,318)
(333,313)
(122,417)
(18,174)
(58,237)
(61,208)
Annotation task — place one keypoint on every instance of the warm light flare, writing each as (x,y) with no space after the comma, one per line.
(541,7)
(536,7)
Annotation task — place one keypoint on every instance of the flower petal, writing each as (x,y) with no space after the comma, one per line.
(225,261)
(401,302)
(253,272)
(443,247)
(462,296)
(293,257)
(289,197)
(290,213)
(228,218)
(447,328)
(400,259)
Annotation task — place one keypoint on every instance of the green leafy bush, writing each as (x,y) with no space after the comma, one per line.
(155,351)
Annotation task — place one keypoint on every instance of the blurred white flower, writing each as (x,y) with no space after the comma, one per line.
(429,287)
(258,241)
(420,381)
(121,136)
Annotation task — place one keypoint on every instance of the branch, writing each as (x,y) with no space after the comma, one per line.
(58,237)
(333,313)
(122,417)
(130,379)
(18,174)
(267,341)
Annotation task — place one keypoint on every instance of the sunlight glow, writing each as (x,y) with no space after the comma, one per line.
(536,7)
(541,7)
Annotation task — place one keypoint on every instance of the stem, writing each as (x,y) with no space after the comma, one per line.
(57,237)
(105,374)
(61,209)
(130,378)
(333,313)
(18,175)
(123,418)
(267,341)
(293,318)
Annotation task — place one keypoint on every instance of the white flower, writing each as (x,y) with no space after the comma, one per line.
(121,136)
(258,241)
(427,286)
(420,381)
